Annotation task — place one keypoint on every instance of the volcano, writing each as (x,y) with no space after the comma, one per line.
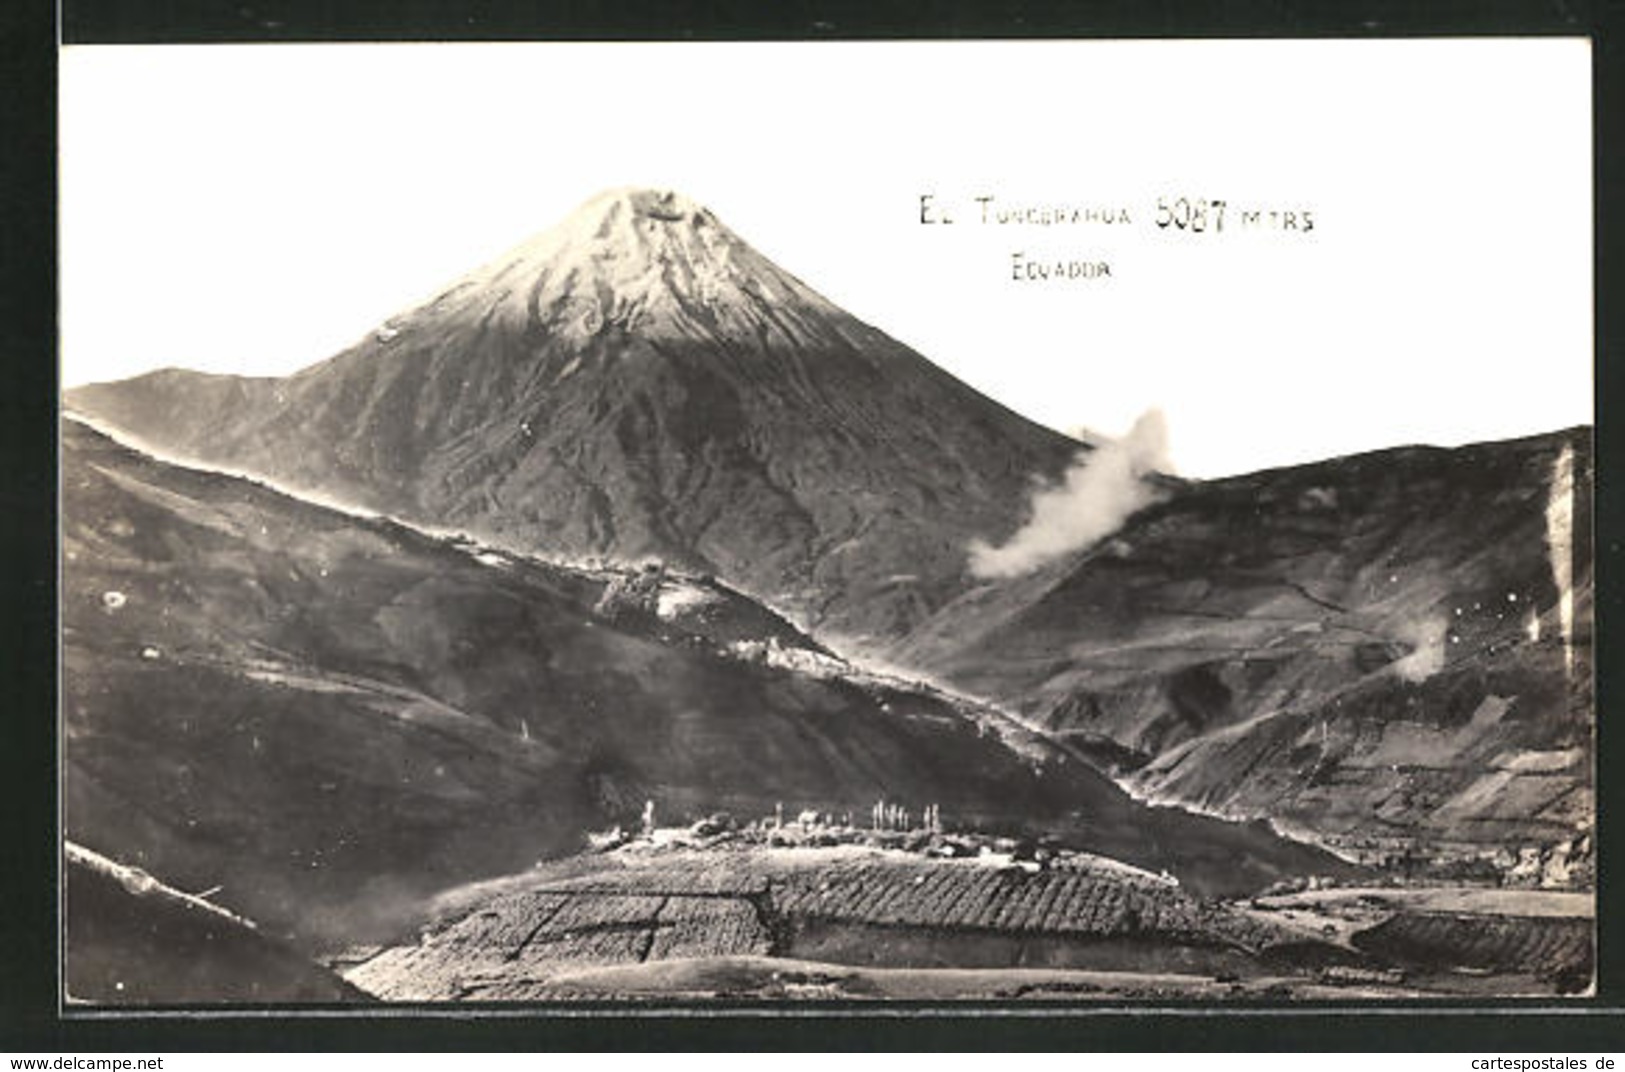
(639,382)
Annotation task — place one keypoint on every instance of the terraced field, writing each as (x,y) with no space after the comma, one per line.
(842,903)
(505,949)
(1554,948)
(988,898)
(544,934)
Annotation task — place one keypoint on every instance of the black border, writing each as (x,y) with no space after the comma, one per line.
(145,21)
(29,1020)
(28,828)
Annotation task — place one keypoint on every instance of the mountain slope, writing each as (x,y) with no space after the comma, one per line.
(1371,648)
(133,940)
(639,381)
(332,717)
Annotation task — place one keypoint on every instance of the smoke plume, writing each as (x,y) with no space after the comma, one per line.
(1560,542)
(1091,501)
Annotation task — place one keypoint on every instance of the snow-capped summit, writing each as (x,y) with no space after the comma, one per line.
(653,262)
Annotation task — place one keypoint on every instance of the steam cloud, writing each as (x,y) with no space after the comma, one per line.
(1090,502)
(1426,638)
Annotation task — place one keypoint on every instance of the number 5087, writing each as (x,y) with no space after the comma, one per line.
(1187,214)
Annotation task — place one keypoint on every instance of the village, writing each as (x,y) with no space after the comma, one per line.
(889,826)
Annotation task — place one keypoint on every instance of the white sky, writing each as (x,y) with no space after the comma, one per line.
(256,209)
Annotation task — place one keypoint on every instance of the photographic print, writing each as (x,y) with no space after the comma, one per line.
(691,524)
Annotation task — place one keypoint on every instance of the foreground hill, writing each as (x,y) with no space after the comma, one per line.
(134,940)
(819,913)
(639,381)
(1391,651)
(331,717)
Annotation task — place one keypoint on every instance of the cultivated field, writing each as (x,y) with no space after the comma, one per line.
(730,918)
